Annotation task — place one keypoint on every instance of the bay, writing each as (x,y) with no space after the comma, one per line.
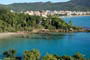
(53,43)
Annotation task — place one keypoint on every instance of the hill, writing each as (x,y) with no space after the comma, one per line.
(85,3)
(73,5)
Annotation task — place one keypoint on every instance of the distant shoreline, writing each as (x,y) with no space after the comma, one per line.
(72,16)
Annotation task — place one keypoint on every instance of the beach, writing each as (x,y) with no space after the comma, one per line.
(9,34)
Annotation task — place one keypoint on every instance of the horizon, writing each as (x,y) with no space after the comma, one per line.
(6,2)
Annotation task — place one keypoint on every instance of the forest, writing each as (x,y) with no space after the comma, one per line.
(13,22)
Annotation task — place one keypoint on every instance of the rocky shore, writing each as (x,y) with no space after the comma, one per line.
(58,30)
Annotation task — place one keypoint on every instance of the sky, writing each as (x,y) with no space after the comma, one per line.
(22,1)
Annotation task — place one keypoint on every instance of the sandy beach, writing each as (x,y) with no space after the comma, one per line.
(8,34)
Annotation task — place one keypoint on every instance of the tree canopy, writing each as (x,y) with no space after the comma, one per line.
(13,22)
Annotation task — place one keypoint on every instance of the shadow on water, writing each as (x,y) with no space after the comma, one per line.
(43,36)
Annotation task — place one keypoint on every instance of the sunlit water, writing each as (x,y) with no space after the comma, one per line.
(53,43)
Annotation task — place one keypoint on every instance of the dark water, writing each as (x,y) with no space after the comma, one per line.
(53,43)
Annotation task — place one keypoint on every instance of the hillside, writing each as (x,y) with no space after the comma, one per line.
(85,3)
(78,5)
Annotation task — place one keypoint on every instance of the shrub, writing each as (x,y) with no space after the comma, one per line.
(31,55)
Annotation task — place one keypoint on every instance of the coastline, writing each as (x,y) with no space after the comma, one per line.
(72,16)
(9,34)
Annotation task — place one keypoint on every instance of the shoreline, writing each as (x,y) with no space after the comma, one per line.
(72,16)
(9,34)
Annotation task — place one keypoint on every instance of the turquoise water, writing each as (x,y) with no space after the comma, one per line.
(83,21)
(53,43)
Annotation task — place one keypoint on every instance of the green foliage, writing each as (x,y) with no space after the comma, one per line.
(51,27)
(31,55)
(70,23)
(67,58)
(79,56)
(73,5)
(8,58)
(13,22)
(10,55)
(49,57)
(56,57)
(35,55)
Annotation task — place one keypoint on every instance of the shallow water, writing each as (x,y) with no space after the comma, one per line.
(54,43)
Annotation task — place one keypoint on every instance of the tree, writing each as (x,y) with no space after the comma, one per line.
(13,22)
(70,23)
(49,57)
(31,55)
(79,56)
(11,54)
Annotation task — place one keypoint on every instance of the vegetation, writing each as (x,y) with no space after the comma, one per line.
(73,5)
(10,55)
(56,57)
(13,22)
(35,55)
(31,55)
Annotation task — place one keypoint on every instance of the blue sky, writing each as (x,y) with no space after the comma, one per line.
(18,1)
